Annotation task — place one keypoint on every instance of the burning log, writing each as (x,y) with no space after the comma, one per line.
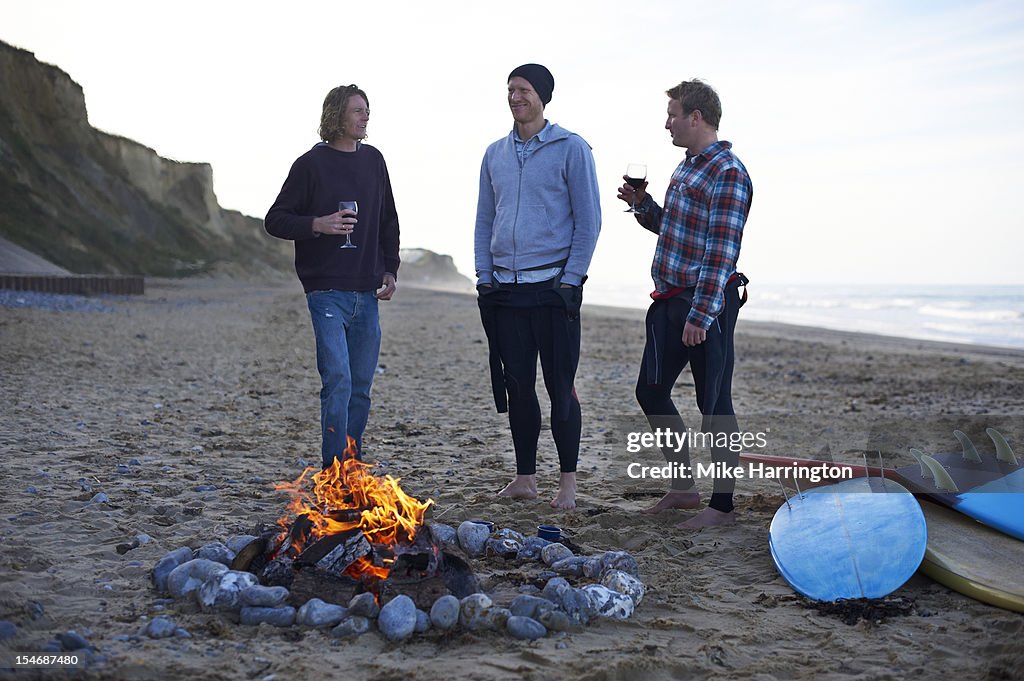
(244,558)
(335,552)
(298,534)
(278,572)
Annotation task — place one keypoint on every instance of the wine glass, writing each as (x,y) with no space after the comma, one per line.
(636,174)
(354,207)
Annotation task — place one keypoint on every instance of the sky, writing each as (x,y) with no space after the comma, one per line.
(884,139)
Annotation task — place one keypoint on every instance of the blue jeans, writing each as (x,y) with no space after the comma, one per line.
(347,329)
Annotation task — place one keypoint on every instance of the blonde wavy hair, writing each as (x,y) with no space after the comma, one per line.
(332,118)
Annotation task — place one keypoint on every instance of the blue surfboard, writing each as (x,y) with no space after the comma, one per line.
(985,487)
(860,538)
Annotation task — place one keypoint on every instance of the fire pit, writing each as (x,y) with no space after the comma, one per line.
(346,531)
(352,547)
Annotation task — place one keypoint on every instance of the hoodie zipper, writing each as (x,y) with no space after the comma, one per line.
(519,194)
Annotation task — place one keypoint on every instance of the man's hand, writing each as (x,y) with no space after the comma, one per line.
(390,286)
(693,335)
(340,223)
(633,197)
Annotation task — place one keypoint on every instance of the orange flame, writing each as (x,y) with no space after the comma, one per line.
(387,515)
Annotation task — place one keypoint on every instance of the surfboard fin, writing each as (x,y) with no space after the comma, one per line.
(918,454)
(970,453)
(1003,451)
(942,479)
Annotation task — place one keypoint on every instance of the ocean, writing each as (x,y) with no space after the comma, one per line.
(973,314)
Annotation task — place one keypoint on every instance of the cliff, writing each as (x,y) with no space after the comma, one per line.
(427,269)
(89,201)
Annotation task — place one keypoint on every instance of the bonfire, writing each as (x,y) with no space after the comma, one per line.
(346,499)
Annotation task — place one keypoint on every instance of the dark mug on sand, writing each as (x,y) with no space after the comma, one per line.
(549,532)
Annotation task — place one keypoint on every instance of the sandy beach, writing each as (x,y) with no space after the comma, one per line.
(183,406)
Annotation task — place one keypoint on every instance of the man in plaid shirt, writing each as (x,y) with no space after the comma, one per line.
(696,297)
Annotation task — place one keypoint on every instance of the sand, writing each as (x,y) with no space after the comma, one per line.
(204,382)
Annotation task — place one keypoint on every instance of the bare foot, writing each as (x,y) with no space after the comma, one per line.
(522,487)
(566,497)
(709,517)
(672,500)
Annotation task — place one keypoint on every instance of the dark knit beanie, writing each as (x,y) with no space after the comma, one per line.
(539,77)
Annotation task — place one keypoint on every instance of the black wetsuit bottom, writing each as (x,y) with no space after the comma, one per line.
(711,363)
(523,323)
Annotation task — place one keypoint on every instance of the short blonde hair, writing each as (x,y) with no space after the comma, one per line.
(696,95)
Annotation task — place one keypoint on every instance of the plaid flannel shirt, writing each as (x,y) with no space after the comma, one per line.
(700,228)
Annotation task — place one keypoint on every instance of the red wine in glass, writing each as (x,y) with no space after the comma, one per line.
(354,207)
(636,175)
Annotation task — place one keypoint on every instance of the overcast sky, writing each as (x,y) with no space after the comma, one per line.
(884,139)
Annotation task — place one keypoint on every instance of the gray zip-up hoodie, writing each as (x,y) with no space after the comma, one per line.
(539,209)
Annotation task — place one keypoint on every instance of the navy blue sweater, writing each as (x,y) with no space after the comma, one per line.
(317,181)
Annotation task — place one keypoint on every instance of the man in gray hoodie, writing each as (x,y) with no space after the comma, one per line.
(537,221)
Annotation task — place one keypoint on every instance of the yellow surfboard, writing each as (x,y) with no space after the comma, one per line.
(973,559)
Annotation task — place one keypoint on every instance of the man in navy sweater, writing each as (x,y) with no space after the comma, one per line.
(342,283)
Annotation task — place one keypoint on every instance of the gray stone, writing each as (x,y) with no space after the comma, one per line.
(166,565)
(444,613)
(593,566)
(216,551)
(71,640)
(530,606)
(160,627)
(509,533)
(577,605)
(422,621)
(532,547)
(397,619)
(317,613)
(191,575)
(239,542)
(502,548)
(555,620)
(554,588)
(283,616)
(497,617)
(525,628)
(263,596)
(571,566)
(624,583)
(351,627)
(445,535)
(473,612)
(620,560)
(7,630)
(99,498)
(364,605)
(223,592)
(608,603)
(552,553)
(472,537)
